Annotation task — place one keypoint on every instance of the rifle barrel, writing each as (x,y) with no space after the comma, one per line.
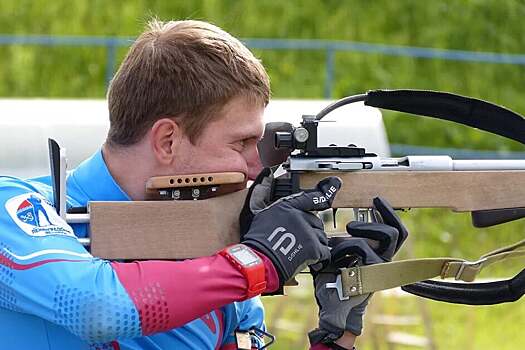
(488,164)
(408,163)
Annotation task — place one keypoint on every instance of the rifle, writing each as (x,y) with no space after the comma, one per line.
(492,190)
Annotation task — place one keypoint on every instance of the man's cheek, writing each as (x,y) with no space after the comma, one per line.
(230,163)
(240,165)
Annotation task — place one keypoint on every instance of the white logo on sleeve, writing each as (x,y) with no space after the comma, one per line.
(36,216)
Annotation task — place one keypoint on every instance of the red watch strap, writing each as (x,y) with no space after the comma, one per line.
(255,275)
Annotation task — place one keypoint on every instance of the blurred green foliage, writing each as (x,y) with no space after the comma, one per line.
(477,25)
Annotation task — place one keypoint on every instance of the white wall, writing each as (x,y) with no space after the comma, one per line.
(80,126)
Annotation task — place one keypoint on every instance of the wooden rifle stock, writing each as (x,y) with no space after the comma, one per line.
(189,229)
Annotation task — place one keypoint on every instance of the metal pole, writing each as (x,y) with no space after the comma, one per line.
(330,53)
(110,61)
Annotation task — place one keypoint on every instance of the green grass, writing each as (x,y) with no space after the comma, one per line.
(494,26)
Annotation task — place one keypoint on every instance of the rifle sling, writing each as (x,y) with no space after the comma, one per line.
(460,109)
(372,278)
(488,293)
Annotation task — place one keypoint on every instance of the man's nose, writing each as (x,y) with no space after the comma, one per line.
(254,165)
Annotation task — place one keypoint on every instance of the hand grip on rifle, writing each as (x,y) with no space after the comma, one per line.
(286,231)
(366,244)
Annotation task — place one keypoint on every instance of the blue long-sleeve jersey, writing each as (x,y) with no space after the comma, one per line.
(55,295)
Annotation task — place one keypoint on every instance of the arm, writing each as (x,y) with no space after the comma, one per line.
(213,279)
(50,275)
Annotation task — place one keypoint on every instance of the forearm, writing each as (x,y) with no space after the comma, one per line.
(183,291)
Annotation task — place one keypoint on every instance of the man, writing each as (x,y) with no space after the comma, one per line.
(188,98)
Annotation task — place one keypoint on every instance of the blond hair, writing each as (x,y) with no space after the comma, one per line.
(187,69)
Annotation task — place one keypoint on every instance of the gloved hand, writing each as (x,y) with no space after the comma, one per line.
(285,231)
(370,243)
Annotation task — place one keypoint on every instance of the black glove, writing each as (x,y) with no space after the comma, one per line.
(370,243)
(285,231)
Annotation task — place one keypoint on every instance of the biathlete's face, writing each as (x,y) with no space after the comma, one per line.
(228,143)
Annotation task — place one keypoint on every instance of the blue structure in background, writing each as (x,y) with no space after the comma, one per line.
(330,47)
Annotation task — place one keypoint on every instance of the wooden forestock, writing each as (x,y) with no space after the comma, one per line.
(457,190)
(186,229)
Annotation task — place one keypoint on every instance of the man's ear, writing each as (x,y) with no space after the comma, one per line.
(166,134)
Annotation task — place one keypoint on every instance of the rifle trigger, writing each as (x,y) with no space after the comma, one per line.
(334,211)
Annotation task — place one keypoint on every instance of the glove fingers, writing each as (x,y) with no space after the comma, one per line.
(390,218)
(246,215)
(325,253)
(266,172)
(260,195)
(354,321)
(320,198)
(386,236)
(313,220)
(358,247)
(321,235)
(324,259)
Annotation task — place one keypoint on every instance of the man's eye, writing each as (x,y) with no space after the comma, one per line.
(239,145)
(244,143)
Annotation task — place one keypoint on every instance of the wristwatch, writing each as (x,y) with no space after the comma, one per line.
(250,265)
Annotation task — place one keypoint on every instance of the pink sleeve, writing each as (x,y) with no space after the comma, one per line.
(169,294)
(319,346)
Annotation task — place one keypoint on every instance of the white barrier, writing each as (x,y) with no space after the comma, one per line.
(81,126)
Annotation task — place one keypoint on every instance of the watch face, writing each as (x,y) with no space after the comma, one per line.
(245,256)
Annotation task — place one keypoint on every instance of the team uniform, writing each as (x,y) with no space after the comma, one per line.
(55,295)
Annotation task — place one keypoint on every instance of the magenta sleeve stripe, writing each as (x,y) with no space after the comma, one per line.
(15,266)
(210,323)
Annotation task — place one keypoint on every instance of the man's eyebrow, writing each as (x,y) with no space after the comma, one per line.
(251,134)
